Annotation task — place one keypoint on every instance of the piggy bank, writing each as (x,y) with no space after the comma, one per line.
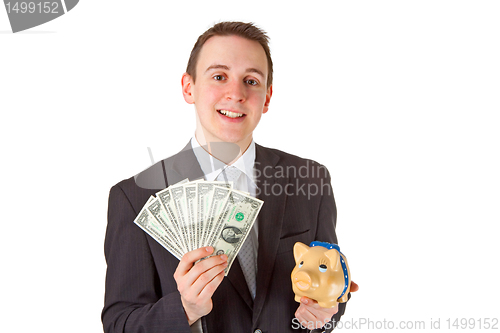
(321,273)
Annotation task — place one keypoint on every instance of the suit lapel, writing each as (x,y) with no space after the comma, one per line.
(270,221)
(239,283)
(182,165)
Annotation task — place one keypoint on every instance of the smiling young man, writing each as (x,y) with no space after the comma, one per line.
(229,81)
(229,89)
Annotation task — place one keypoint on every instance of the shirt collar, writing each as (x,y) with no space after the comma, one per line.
(212,167)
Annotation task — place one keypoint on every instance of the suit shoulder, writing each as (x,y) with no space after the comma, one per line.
(128,190)
(137,189)
(157,176)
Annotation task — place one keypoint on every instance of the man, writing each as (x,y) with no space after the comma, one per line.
(229,81)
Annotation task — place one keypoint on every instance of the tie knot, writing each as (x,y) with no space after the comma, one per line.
(231,173)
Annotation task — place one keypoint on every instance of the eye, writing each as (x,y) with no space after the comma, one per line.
(322,268)
(252,82)
(301,263)
(219,77)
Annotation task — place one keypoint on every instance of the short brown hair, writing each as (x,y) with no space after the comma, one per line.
(245,30)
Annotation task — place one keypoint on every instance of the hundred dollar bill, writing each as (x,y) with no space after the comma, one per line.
(147,222)
(158,211)
(234,224)
(166,198)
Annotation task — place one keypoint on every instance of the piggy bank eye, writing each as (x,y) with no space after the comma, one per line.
(301,263)
(322,268)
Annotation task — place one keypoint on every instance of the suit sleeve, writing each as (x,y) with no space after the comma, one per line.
(133,299)
(327,216)
(327,221)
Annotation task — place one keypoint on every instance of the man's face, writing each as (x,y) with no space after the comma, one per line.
(230,93)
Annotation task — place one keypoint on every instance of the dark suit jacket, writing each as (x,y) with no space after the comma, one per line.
(141,293)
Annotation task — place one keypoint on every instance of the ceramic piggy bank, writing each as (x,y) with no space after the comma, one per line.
(321,273)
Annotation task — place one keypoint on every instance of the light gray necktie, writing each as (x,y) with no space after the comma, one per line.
(246,256)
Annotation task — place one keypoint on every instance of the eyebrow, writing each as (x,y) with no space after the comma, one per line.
(217,67)
(249,70)
(255,70)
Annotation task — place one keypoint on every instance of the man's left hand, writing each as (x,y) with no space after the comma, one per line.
(311,315)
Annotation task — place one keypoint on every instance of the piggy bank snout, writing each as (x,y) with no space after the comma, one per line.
(302,280)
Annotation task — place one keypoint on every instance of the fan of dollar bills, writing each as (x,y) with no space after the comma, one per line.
(190,215)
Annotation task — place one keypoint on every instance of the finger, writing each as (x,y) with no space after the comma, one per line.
(304,316)
(188,260)
(354,286)
(307,318)
(310,308)
(186,281)
(206,283)
(316,310)
(308,301)
(209,288)
(204,265)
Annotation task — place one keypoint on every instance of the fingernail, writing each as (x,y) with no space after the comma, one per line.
(305,301)
(223,257)
(208,248)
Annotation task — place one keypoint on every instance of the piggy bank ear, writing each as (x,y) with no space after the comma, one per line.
(299,249)
(334,257)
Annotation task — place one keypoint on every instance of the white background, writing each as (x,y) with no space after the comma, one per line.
(399,99)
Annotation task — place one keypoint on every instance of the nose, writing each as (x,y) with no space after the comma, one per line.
(235,91)
(302,280)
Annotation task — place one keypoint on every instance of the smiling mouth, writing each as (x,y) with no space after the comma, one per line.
(230,114)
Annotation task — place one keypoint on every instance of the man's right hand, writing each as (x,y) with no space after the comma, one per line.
(197,283)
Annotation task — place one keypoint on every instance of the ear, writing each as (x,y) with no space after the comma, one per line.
(334,257)
(269,93)
(299,249)
(187,85)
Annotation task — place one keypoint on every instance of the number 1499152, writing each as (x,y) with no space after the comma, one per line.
(46,7)
(473,323)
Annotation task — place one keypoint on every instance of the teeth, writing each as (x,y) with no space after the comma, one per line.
(231,114)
